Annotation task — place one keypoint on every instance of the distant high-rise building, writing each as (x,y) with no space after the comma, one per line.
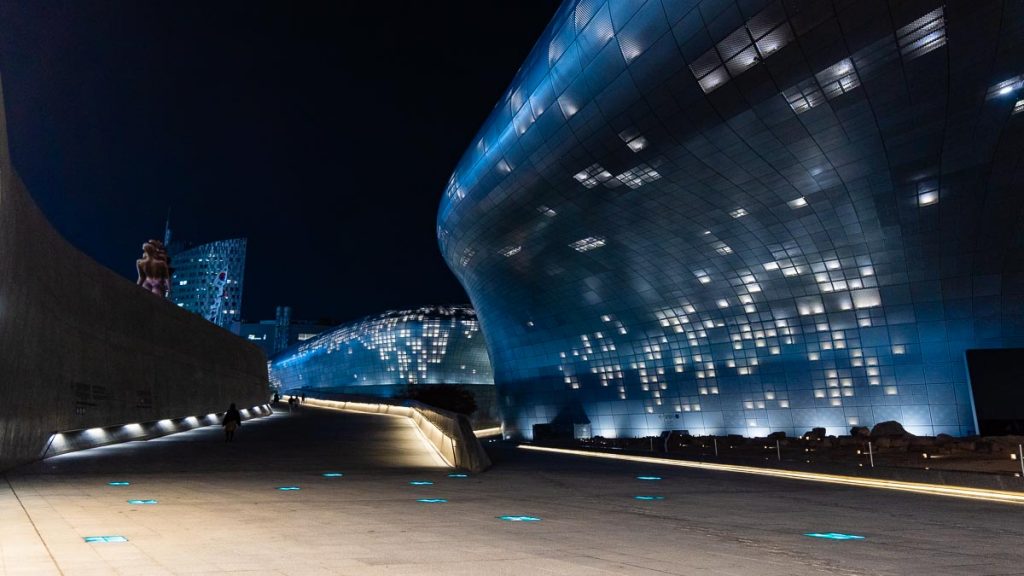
(207,280)
(282,331)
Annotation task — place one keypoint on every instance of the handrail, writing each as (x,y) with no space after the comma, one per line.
(450,433)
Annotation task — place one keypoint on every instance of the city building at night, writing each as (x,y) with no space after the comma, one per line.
(273,336)
(383,355)
(748,217)
(208,280)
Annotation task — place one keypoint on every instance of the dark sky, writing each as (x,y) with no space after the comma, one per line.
(324,134)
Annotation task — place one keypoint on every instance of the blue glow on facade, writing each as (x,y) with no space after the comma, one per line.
(740,218)
(433,345)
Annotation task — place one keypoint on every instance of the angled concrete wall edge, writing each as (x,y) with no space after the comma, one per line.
(81,347)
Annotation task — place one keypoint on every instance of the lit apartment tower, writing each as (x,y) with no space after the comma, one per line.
(207,280)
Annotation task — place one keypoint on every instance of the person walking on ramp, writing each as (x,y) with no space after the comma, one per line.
(232,420)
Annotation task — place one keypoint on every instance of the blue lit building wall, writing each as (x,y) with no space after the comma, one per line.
(195,285)
(381,355)
(744,217)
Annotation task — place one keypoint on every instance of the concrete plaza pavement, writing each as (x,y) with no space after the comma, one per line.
(219,511)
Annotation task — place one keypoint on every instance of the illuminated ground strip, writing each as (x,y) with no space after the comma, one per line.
(649,497)
(91,539)
(288,488)
(458,475)
(332,474)
(1002,496)
(485,432)
(834,536)
(421,483)
(432,500)
(519,518)
(142,501)
(118,483)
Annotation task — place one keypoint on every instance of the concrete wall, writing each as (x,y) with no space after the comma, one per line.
(81,347)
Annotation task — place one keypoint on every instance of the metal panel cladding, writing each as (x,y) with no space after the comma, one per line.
(430,345)
(744,217)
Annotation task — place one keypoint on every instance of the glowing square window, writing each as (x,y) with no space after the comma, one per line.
(797,203)
(928,198)
(587,244)
(738,213)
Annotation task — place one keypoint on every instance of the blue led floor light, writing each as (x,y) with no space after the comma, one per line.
(458,475)
(432,500)
(118,483)
(421,483)
(288,488)
(142,501)
(834,536)
(648,477)
(332,474)
(92,539)
(649,497)
(519,518)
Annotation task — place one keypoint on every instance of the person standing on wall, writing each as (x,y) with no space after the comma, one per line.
(232,420)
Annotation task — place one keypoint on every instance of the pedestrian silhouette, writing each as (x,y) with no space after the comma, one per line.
(232,420)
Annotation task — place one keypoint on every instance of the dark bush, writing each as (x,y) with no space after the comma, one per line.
(450,397)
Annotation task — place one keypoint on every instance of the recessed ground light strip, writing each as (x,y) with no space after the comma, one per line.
(1002,496)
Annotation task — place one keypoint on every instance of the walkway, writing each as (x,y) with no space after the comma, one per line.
(219,511)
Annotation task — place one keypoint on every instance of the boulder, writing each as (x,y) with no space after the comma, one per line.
(860,432)
(814,434)
(890,428)
(847,441)
(777,435)
(943,439)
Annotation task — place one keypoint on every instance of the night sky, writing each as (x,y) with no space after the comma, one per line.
(325,135)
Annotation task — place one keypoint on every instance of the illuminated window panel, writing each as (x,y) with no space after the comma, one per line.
(587,244)
(923,35)
(1006,88)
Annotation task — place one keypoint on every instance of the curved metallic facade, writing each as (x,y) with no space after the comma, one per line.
(749,216)
(431,345)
